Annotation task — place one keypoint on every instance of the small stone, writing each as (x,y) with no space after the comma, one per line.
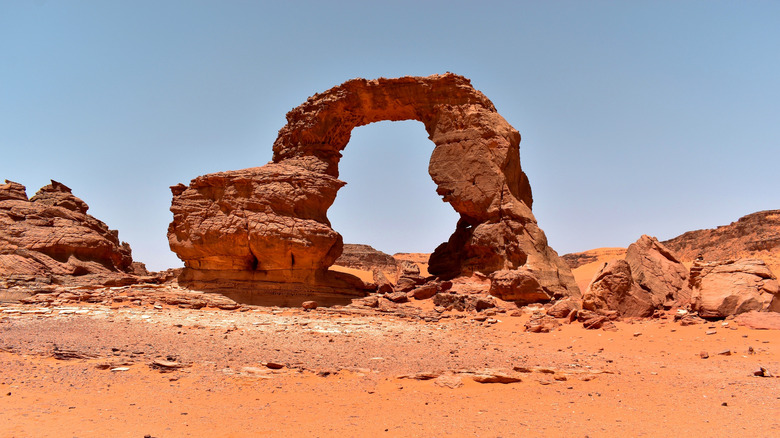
(637,334)
(710,332)
(704,355)
(309,305)
(762,372)
(120,369)
(725,353)
(751,350)
(274,365)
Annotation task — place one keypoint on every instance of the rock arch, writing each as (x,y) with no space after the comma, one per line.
(268,225)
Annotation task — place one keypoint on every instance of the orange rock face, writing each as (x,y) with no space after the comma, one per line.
(272,221)
(731,287)
(52,234)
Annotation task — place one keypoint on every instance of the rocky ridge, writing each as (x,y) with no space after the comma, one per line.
(51,238)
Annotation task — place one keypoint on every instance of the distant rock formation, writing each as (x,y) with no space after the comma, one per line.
(366,258)
(731,287)
(51,234)
(263,227)
(756,235)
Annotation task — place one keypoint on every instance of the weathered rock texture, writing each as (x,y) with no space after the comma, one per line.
(656,270)
(51,234)
(649,278)
(751,236)
(269,223)
(366,258)
(614,288)
(724,288)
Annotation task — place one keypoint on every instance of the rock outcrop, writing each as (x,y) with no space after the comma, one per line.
(366,258)
(751,236)
(614,288)
(724,288)
(649,278)
(656,270)
(266,226)
(51,234)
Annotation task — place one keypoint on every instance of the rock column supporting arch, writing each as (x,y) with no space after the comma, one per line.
(269,223)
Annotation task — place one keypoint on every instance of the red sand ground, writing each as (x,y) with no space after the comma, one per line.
(646,379)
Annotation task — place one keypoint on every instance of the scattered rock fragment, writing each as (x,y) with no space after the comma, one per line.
(762,372)
(540,323)
(166,366)
(494,376)
(309,305)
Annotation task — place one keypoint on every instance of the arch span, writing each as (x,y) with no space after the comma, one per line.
(269,223)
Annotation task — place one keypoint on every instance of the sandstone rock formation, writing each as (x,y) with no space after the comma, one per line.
(366,258)
(753,236)
(261,227)
(614,288)
(655,269)
(51,234)
(724,288)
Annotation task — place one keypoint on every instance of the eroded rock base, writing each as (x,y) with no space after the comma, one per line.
(260,288)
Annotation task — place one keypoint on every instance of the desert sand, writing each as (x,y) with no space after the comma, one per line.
(161,371)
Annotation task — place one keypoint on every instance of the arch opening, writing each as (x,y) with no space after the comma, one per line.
(390,201)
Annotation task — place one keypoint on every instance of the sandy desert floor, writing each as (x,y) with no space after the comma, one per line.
(89,371)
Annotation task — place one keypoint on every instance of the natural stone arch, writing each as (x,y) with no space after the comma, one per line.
(269,224)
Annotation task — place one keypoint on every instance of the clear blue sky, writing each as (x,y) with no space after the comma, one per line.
(637,117)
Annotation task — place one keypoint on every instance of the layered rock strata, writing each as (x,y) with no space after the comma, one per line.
(269,224)
(51,235)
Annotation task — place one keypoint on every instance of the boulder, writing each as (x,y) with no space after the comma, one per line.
(655,269)
(425,291)
(51,234)
(256,228)
(731,287)
(562,308)
(759,320)
(613,288)
(518,285)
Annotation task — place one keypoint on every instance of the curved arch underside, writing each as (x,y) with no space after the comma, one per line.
(269,223)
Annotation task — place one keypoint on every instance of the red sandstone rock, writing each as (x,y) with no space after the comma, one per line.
(562,308)
(613,288)
(731,287)
(759,320)
(518,285)
(51,234)
(749,237)
(269,224)
(366,258)
(655,269)
(427,290)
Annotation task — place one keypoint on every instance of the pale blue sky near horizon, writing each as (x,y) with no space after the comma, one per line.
(642,117)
